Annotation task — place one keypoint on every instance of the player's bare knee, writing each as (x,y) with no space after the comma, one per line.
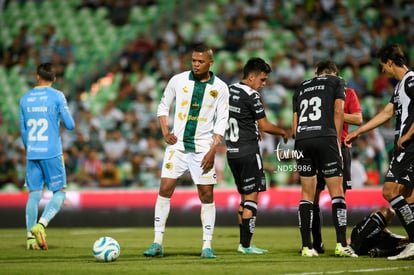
(390,191)
(167,188)
(388,213)
(205,195)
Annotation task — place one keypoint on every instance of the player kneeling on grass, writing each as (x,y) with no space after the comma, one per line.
(372,237)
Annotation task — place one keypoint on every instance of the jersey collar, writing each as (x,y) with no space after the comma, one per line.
(210,81)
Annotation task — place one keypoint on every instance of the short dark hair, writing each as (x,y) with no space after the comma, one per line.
(202,48)
(255,65)
(392,52)
(46,71)
(326,67)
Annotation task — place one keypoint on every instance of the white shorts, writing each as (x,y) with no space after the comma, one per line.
(177,162)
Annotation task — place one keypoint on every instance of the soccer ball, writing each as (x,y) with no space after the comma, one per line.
(106,249)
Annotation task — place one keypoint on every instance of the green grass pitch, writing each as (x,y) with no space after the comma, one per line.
(70,252)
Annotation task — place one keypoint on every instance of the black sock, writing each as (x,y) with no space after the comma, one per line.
(239,218)
(305,215)
(373,225)
(240,232)
(405,215)
(339,216)
(248,224)
(246,233)
(316,225)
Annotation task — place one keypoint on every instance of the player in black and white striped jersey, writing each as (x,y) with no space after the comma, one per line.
(401,169)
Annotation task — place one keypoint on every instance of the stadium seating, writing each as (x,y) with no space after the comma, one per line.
(369,73)
(97,43)
(95,40)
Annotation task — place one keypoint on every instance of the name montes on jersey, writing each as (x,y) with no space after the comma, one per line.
(314,88)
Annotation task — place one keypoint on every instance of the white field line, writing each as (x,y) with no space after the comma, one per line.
(354,270)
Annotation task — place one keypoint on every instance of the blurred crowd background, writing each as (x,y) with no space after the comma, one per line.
(114,57)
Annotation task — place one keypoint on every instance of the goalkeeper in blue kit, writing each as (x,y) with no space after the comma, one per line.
(41,111)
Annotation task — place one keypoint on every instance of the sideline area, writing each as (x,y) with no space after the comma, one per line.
(187,199)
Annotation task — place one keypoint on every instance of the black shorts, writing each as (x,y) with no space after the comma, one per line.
(347,181)
(401,169)
(248,173)
(318,155)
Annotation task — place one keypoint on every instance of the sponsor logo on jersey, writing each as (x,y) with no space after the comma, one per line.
(235,98)
(234,109)
(232,150)
(202,119)
(249,179)
(258,103)
(169,166)
(182,116)
(214,93)
(37,149)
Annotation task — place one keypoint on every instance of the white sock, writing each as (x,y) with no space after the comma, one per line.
(44,222)
(162,209)
(208,219)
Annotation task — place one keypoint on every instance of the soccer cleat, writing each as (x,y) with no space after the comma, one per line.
(155,250)
(207,253)
(406,254)
(309,252)
(251,250)
(344,251)
(260,249)
(32,244)
(320,248)
(38,231)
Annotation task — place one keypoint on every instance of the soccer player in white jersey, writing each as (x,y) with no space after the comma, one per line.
(400,173)
(41,111)
(200,101)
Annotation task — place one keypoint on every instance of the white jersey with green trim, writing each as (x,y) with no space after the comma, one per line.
(201,110)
